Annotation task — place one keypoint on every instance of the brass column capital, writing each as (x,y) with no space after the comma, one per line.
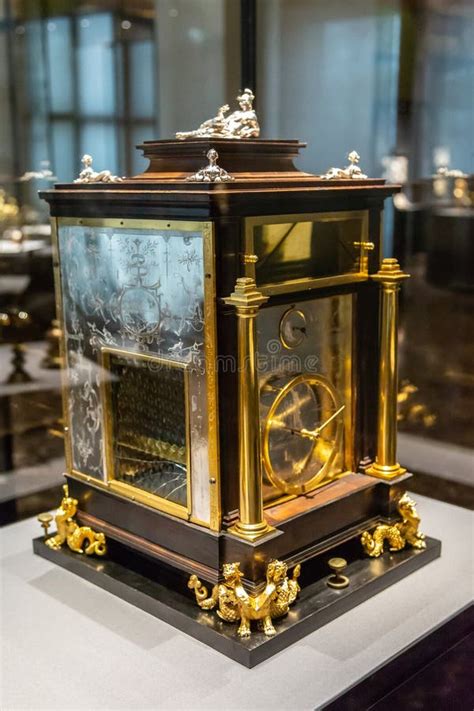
(390,274)
(246,300)
(386,466)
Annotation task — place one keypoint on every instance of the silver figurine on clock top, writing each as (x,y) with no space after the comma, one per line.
(242,123)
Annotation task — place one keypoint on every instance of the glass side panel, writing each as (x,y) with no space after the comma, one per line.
(146,404)
(322,247)
(138,291)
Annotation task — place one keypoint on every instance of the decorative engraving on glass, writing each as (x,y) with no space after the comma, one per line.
(305,396)
(139,290)
(149,425)
(139,301)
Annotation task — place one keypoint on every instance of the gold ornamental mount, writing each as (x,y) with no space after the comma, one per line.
(397,535)
(235,604)
(80,539)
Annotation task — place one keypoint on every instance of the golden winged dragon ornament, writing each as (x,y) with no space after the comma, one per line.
(80,539)
(235,604)
(397,535)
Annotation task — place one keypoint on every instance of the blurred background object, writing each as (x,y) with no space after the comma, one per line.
(391,78)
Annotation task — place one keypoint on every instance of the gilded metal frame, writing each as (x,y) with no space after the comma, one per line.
(62,344)
(304,284)
(144,497)
(210,354)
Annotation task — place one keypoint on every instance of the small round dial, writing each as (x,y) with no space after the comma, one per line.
(292,328)
(302,432)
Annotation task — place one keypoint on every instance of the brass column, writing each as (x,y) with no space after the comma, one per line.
(246,301)
(386,466)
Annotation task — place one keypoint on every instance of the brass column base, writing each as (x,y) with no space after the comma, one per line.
(250,531)
(385,471)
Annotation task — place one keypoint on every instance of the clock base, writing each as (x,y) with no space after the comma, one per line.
(160,592)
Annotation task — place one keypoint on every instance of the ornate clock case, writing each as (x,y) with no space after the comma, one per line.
(230,381)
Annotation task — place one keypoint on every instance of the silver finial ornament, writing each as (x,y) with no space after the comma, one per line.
(88,175)
(242,123)
(350,172)
(211,173)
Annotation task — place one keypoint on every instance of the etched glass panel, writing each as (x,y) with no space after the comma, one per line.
(140,291)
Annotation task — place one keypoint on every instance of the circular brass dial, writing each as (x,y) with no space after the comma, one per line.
(302,432)
(292,328)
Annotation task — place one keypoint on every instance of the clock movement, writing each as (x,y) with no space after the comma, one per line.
(229,341)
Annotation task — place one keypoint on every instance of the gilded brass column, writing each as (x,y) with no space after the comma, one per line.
(386,466)
(246,301)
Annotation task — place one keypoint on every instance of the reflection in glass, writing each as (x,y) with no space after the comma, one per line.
(302,250)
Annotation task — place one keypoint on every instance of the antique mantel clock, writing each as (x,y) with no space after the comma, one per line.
(229,344)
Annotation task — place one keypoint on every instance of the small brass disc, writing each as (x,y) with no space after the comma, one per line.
(337,564)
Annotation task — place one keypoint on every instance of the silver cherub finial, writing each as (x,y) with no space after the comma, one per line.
(242,123)
(350,172)
(88,175)
(211,173)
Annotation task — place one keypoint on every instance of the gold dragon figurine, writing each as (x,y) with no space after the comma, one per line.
(234,603)
(68,531)
(398,534)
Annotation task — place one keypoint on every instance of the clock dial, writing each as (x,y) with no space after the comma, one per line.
(292,328)
(302,431)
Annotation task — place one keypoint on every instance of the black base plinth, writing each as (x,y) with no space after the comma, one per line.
(316,605)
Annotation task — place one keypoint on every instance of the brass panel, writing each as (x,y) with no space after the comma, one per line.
(303,390)
(210,340)
(301,254)
(125,491)
(62,345)
(187,225)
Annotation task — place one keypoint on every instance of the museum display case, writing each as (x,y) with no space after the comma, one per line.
(229,334)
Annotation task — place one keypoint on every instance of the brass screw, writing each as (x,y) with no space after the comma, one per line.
(337,580)
(45,521)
